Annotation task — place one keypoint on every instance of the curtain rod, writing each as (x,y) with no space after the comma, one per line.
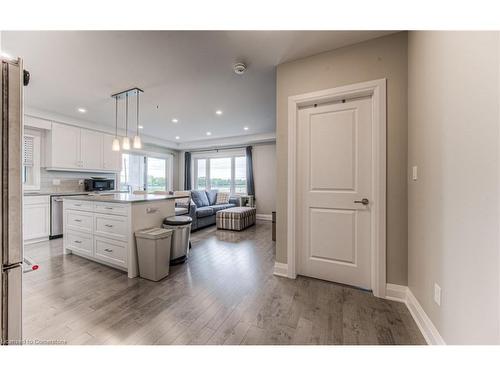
(220,148)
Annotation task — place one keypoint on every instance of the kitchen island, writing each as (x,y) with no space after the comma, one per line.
(101,227)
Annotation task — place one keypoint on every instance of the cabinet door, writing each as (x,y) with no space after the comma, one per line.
(36,221)
(65,146)
(111,160)
(91,149)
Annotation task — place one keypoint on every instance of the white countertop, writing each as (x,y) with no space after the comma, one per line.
(125,197)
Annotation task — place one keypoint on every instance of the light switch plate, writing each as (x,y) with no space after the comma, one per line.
(414,173)
(437,294)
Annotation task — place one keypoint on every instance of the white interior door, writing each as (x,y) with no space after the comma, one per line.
(334,175)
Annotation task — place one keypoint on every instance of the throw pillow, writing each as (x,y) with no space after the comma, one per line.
(212,197)
(222,198)
(200,198)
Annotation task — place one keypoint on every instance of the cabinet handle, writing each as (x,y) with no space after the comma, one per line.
(108,225)
(78,220)
(77,241)
(108,208)
(108,250)
(77,205)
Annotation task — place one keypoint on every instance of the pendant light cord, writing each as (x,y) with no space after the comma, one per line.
(116,117)
(137,112)
(126,117)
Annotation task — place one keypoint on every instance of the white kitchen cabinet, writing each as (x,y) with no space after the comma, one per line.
(77,149)
(64,147)
(104,231)
(91,149)
(111,160)
(36,218)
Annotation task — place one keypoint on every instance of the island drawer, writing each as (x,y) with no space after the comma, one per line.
(111,226)
(78,205)
(79,242)
(80,221)
(111,251)
(111,208)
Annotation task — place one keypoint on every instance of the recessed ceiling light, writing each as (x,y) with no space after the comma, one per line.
(175,121)
(218,112)
(209,133)
(82,110)
(177,137)
(245,128)
(141,127)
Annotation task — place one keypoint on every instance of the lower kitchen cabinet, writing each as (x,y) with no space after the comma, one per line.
(36,218)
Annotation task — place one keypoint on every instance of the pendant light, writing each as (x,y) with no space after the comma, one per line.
(137,139)
(116,141)
(126,139)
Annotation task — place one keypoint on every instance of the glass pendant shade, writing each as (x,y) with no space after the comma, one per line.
(137,142)
(126,143)
(116,144)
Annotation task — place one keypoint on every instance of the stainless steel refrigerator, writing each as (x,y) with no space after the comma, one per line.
(11,236)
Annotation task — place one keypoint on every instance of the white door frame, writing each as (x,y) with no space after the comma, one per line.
(377,90)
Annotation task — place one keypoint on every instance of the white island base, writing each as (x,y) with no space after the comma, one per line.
(101,228)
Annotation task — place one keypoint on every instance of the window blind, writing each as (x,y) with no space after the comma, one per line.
(28,151)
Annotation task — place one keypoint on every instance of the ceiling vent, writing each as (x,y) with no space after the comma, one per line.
(239,68)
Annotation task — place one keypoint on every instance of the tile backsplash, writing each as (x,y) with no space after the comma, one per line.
(68,181)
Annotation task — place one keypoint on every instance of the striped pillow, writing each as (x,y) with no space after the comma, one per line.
(222,198)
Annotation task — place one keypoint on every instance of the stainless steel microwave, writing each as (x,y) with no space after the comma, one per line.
(99,184)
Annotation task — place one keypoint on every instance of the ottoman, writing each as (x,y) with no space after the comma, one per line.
(236,218)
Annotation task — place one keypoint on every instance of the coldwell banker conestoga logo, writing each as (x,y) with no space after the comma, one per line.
(33,342)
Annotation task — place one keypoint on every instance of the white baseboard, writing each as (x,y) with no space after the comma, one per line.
(396,292)
(280,269)
(403,294)
(264,217)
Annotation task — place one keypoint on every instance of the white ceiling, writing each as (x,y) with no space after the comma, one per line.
(185,75)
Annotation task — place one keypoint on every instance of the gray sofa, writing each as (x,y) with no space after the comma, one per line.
(203,209)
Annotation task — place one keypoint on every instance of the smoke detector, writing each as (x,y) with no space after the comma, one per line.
(239,68)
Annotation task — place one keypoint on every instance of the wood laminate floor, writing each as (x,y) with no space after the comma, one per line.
(225,294)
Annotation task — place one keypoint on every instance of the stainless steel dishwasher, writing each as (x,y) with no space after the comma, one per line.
(56,215)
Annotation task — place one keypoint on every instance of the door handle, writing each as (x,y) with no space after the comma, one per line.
(363,201)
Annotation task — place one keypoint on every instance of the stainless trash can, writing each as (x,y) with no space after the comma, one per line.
(181,225)
(153,251)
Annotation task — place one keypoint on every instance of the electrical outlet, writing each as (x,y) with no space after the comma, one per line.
(437,294)
(414,173)
(56,182)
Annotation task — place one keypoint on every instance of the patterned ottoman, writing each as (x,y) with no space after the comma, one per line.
(236,218)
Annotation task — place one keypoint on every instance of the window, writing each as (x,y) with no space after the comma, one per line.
(31,162)
(220,174)
(156,174)
(222,171)
(143,172)
(201,171)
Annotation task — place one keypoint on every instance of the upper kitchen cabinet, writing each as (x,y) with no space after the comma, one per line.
(73,148)
(111,160)
(91,149)
(63,147)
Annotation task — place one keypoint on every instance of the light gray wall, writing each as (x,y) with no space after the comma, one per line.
(379,58)
(453,207)
(264,173)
